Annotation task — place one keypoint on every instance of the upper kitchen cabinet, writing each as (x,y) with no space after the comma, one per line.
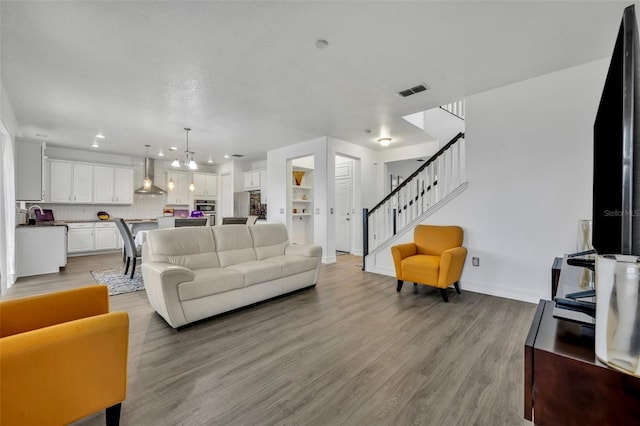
(180,192)
(252,180)
(206,184)
(29,160)
(112,185)
(70,182)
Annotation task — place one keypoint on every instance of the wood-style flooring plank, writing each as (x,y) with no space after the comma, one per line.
(350,351)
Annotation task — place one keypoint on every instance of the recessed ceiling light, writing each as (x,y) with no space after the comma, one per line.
(173,148)
(321,44)
(226,156)
(209,160)
(95,144)
(100,136)
(384,141)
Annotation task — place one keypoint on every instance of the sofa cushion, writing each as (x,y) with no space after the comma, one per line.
(210,281)
(234,244)
(193,248)
(421,268)
(294,264)
(258,271)
(269,240)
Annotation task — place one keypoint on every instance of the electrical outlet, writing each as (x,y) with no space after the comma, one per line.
(475,261)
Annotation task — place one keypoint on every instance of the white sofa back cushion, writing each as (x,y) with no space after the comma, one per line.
(269,240)
(191,247)
(234,244)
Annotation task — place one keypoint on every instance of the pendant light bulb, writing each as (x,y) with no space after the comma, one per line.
(192,187)
(171,185)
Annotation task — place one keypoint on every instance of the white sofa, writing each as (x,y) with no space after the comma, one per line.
(196,272)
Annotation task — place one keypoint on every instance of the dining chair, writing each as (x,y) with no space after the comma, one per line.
(131,251)
(178,223)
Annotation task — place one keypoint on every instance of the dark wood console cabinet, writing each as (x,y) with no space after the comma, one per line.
(564,382)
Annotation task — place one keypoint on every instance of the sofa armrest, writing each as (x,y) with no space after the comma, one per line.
(61,373)
(31,313)
(308,250)
(400,252)
(161,281)
(451,263)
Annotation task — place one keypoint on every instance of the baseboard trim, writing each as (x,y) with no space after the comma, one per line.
(329,259)
(478,287)
(381,271)
(504,292)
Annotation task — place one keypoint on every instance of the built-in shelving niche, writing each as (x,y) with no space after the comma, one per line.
(300,210)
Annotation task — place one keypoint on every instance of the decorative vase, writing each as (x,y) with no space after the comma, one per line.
(297,175)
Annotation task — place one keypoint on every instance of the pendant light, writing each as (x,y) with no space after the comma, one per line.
(188,160)
(147,182)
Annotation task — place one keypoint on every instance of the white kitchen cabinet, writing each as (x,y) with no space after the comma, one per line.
(252,180)
(40,250)
(70,182)
(103,185)
(179,194)
(106,236)
(80,237)
(206,184)
(112,185)
(123,185)
(60,181)
(29,167)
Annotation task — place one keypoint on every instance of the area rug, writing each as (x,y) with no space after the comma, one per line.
(117,282)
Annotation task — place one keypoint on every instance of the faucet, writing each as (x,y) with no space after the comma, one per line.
(33,221)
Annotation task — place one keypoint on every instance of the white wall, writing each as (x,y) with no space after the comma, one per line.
(7,114)
(442,125)
(529,168)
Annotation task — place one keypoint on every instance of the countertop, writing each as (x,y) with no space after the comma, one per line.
(42,224)
(66,222)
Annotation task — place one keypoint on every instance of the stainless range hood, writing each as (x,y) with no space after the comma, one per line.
(149,168)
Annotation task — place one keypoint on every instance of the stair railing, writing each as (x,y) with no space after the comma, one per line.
(430,183)
(455,108)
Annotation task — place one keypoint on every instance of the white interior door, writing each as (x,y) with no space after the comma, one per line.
(343,208)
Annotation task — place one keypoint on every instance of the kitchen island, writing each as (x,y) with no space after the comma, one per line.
(40,249)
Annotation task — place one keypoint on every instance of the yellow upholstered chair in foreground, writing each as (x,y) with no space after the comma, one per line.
(435,258)
(63,356)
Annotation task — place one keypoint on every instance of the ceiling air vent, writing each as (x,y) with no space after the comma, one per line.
(412,91)
(237,155)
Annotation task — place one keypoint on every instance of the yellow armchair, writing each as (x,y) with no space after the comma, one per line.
(435,258)
(63,356)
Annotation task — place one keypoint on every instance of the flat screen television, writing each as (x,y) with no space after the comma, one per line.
(616,156)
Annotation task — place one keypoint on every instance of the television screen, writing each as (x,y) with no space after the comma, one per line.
(616,159)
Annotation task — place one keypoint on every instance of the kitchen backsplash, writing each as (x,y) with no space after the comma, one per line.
(143,207)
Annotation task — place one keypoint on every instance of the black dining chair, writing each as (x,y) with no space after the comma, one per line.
(178,223)
(131,251)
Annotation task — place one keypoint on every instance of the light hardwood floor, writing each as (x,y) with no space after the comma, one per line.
(350,351)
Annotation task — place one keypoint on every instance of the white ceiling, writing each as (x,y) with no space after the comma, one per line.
(246,77)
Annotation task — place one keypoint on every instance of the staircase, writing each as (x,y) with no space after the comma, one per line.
(455,108)
(436,182)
